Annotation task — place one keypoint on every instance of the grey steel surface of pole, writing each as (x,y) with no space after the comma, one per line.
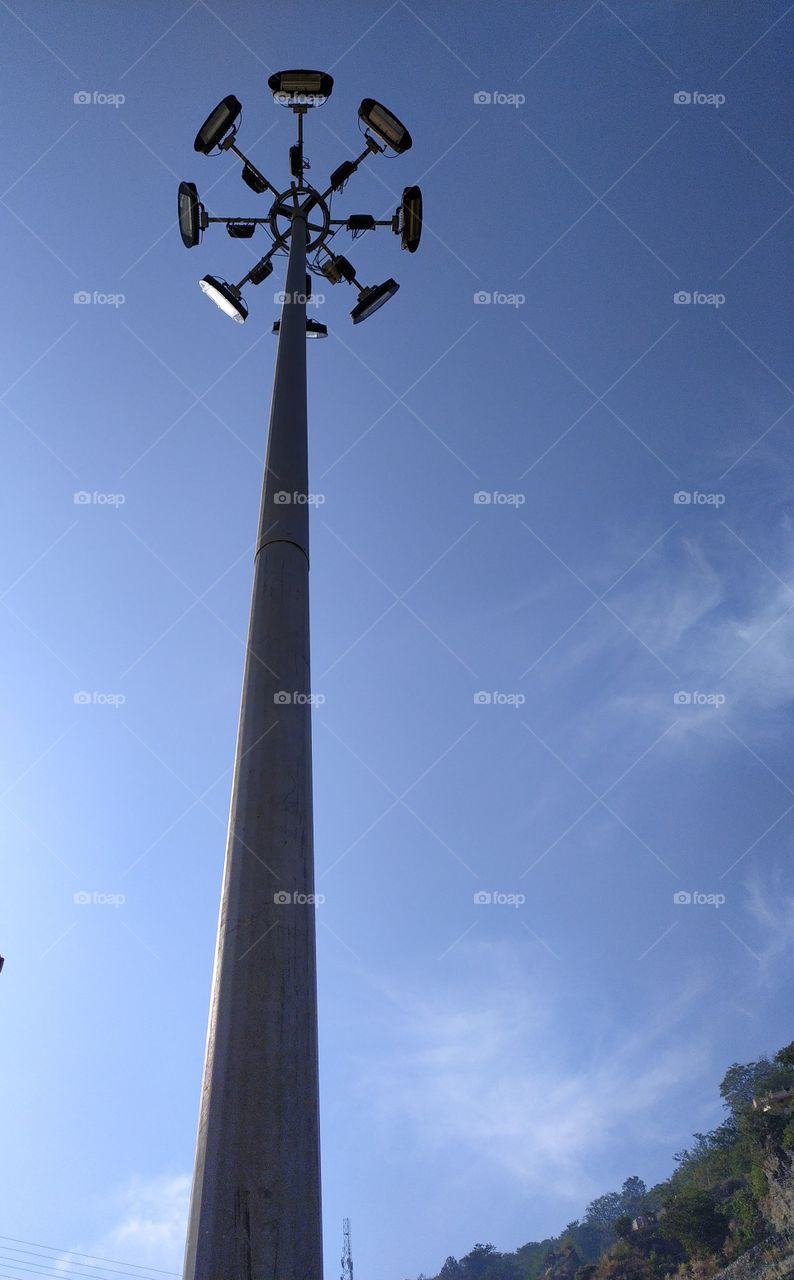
(255,1208)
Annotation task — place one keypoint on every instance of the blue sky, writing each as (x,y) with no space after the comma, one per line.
(487,1068)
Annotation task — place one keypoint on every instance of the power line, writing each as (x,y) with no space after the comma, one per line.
(6,1275)
(60,1254)
(62,1273)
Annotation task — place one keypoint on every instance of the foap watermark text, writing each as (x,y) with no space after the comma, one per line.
(495,298)
(94,698)
(285,499)
(695,98)
(497,899)
(287,698)
(96,98)
(495,498)
(694,498)
(494,698)
(498,98)
(695,899)
(97,299)
(85,499)
(694,698)
(93,898)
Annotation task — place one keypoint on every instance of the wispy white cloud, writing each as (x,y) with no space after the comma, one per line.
(770,905)
(150,1223)
(719,619)
(481,1072)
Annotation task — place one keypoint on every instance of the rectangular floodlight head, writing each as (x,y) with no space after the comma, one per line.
(372,299)
(388,128)
(218,124)
(189,210)
(226,296)
(411,221)
(301,88)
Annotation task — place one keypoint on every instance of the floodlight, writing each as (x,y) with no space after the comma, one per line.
(253,178)
(340,176)
(226,296)
(411,219)
(338,268)
(361,222)
(241,230)
(370,300)
(301,88)
(191,214)
(313,329)
(261,271)
(387,127)
(218,124)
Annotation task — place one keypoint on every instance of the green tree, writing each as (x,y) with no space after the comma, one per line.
(603,1211)
(785,1057)
(475,1264)
(746,1220)
(693,1218)
(587,1239)
(562,1262)
(504,1267)
(622,1226)
(632,1194)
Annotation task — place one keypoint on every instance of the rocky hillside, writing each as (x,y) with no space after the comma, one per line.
(725,1213)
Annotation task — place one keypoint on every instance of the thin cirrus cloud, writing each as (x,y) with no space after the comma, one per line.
(770,907)
(150,1218)
(481,1073)
(714,630)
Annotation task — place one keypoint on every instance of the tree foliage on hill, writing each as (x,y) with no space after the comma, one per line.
(710,1210)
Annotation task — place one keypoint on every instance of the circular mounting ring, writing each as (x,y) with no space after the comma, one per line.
(319,220)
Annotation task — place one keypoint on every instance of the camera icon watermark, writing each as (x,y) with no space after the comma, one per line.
(697,99)
(285,499)
(685,899)
(498,899)
(496,98)
(84,299)
(694,698)
(304,299)
(94,98)
(300,99)
(697,298)
(694,497)
(496,298)
(94,698)
(495,698)
(84,898)
(495,497)
(283,898)
(287,698)
(85,499)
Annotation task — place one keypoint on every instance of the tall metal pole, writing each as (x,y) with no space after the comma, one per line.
(255,1207)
